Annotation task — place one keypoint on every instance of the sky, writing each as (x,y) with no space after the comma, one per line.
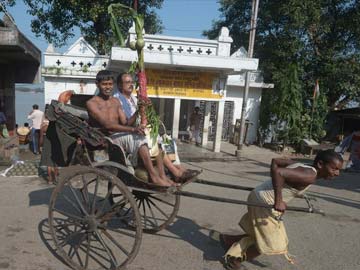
(184,18)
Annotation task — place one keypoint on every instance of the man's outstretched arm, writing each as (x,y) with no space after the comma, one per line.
(297,178)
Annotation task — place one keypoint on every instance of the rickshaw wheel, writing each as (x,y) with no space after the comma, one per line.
(88,231)
(157,210)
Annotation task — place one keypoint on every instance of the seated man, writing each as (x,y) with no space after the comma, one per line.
(128,102)
(106,112)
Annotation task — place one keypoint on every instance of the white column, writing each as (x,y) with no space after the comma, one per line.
(162,109)
(205,133)
(219,125)
(176,118)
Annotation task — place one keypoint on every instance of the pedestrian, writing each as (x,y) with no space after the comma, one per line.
(264,229)
(23,133)
(36,116)
(195,119)
(3,129)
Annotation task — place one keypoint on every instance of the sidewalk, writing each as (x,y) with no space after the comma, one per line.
(190,152)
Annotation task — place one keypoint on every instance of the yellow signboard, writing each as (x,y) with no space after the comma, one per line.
(182,84)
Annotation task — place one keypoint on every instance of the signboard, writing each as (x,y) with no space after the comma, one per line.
(184,84)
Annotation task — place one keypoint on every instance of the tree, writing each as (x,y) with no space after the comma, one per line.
(56,19)
(320,36)
(6,3)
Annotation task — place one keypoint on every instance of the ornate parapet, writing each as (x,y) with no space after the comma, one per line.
(79,61)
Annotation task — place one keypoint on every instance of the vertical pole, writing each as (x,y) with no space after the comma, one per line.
(135,5)
(254,12)
(176,116)
(219,125)
(311,119)
(205,133)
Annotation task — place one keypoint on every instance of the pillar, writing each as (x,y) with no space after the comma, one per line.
(205,133)
(219,125)
(162,109)
(176,118)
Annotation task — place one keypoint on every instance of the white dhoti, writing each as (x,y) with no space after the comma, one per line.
(130,143)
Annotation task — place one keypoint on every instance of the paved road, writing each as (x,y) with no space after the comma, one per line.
(329,242)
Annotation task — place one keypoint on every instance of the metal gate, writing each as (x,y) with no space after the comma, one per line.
(227,128)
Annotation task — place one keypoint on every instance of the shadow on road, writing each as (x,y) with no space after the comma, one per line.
(189,231)
(40,197)
(46,238)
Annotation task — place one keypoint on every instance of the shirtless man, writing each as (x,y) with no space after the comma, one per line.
(106,112)
(264,229)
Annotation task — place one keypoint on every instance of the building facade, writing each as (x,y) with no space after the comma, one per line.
(182,73)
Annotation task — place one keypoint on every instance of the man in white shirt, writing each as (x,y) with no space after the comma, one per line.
(36,116)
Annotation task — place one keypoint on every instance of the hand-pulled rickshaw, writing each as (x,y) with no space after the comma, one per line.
(100,208)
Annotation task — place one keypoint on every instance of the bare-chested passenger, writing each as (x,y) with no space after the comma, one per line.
(105,112)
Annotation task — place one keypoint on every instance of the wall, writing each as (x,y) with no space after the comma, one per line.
(54,86)
(235,93)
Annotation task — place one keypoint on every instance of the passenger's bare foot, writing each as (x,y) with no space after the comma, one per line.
(160,182)
(172,183)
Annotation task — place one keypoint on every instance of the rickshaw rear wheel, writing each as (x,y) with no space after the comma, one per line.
(88,231)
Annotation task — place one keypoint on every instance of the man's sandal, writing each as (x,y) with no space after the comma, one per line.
(187,175)
(233,263)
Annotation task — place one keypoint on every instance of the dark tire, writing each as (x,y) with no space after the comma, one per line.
(88,231)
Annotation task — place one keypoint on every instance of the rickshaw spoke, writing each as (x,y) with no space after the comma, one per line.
(85,194)
(76,252)
(152,213)
(145,217)
(67,224)
(105,227)
(105,200)
(108,251)
(72,203)
(77,199)
(95,194)
(108,235)
(112,211)
(161,211)
(75,218)
(88,241)
(160,200)
(95,259)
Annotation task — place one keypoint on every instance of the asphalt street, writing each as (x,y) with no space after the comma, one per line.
(329,242)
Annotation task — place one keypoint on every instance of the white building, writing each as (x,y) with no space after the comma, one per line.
(74,70)
(181,73)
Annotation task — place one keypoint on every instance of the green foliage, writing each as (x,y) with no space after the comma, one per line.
(153,122)
(321,36)
(56,19)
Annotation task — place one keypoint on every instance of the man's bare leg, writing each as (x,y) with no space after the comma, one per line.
(177,171)
(145,157)
(161,168)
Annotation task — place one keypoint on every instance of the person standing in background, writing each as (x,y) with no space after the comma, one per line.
(195,119)
(3,129)
(36,116)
